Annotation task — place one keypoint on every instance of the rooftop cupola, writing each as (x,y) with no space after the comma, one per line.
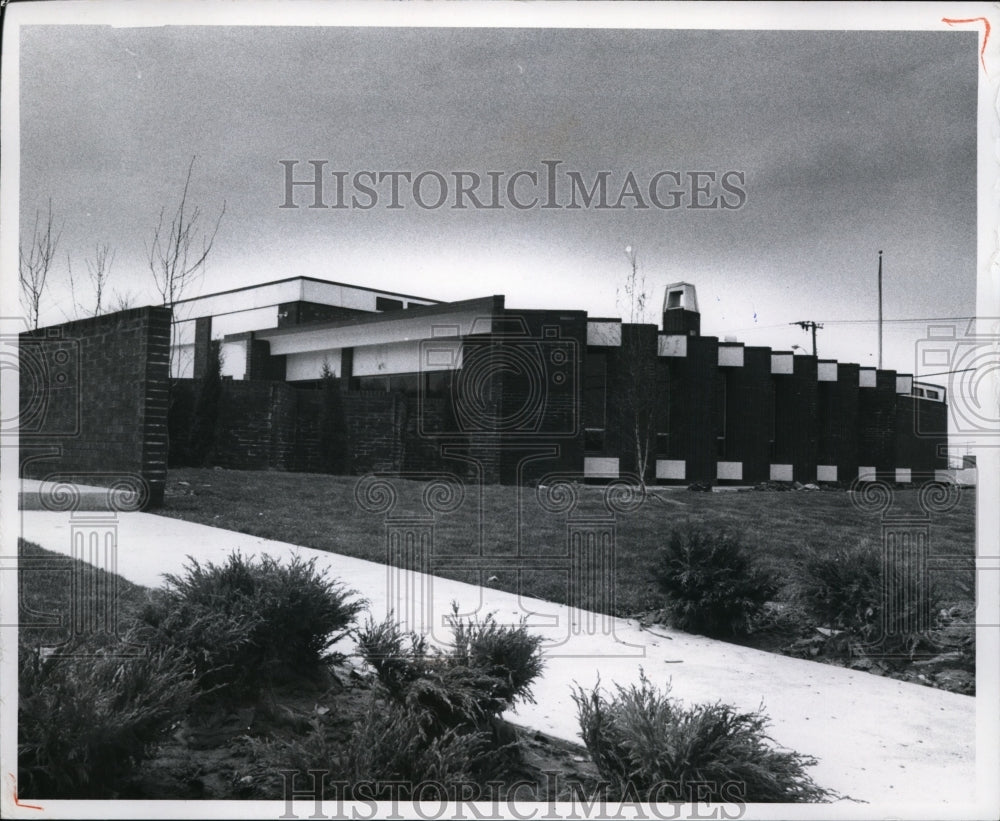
(680,310)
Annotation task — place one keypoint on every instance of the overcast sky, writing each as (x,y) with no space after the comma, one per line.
(849,142)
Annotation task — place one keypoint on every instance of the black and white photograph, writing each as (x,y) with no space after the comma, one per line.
(499,410)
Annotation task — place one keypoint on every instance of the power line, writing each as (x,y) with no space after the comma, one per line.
(913,319)
(857,322)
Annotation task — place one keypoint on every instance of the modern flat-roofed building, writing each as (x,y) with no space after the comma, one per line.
(510,395)
(282,303)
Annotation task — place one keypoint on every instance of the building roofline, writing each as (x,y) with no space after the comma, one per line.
(308,279)
(487,304)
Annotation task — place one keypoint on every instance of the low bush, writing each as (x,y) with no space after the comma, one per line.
(711,583)
(245,622)
(486,670)
(435,714)
(388,743)
(847,589)
(649,747)
(510,655)
(85,722)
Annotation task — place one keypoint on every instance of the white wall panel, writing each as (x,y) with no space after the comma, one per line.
(600,467)
(234,359)
(672,345)
(608,334)
(309,365)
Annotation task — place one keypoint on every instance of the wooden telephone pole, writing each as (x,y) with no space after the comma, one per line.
(808,325)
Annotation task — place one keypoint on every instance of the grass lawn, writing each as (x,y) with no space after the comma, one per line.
(47,588)
(501,524)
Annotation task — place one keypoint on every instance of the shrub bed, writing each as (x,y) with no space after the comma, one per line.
(486,670)
(387,743)
(711,583)
(86,721)
(244,623)
(878,606)
(649,747)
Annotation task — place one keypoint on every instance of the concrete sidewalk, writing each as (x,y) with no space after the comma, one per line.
(877,740)
(35,494)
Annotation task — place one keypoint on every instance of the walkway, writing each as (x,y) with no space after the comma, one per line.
(877,739)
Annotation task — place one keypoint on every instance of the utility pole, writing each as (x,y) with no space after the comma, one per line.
(808,325)
(880,310)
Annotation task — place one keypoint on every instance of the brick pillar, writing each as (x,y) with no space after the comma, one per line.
(202,345)
(260,364)
(156,400)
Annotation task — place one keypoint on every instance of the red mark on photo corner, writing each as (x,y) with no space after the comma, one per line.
(986,33)
(13,782)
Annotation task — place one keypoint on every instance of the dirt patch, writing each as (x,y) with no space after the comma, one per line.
(944,659)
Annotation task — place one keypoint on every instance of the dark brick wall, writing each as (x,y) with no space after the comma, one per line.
(745,414)
(921,428)
(877,417)
(476,393)
(94,397)
(541,396)
(795,419)
(273,425)
(308,454)
(422,451)
(249,431)
(749,399)
(637,392)
(376,429)
(692,400)
(837,408)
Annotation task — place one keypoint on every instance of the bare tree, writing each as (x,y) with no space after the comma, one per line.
(633,291)
(122,302)
(642,388)
(33,266)
(99,271)
(72,292)
(179,251)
